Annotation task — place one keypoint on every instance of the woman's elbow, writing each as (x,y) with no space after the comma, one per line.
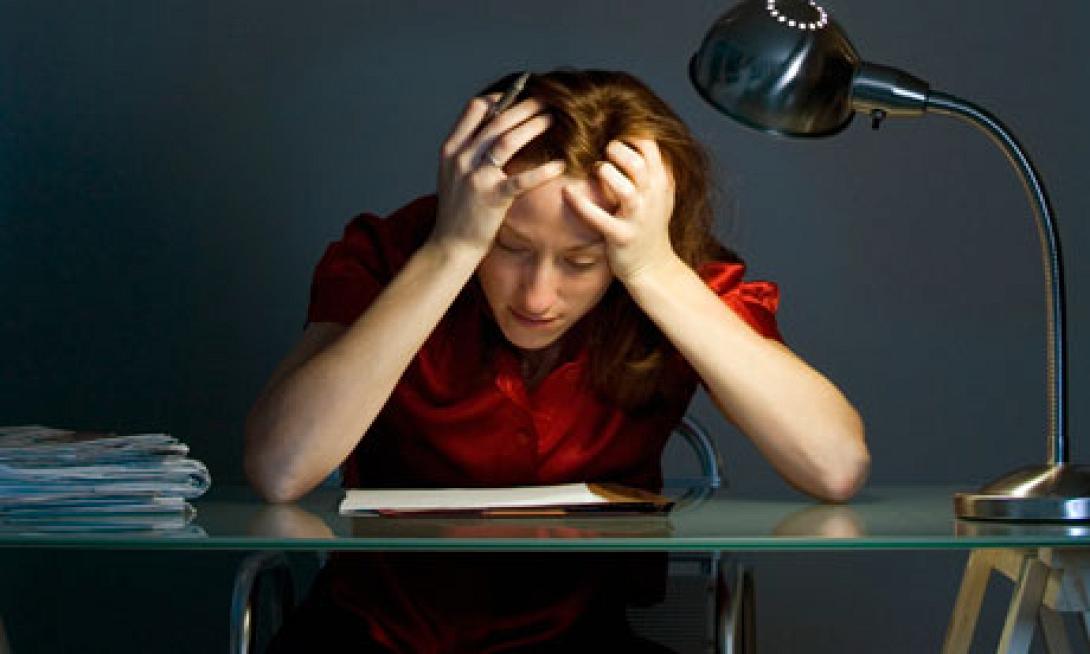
(272,482)
(848,473)
(843,484)
(266,483)
(271,487)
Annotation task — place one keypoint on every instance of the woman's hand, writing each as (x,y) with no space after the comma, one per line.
(637,233)
(474,190)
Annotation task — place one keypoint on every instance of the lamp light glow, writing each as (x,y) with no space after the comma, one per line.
(797,21)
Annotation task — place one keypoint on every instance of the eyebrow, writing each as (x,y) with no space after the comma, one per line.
(581,246)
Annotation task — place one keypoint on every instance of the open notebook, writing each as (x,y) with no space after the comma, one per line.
(520,501)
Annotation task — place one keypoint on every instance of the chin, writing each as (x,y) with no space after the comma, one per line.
(523,341)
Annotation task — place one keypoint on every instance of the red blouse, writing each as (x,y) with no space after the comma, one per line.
(461,414)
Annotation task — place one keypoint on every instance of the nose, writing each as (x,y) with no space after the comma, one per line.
(539,287)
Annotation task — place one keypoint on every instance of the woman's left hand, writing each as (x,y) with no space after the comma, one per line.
(637,233)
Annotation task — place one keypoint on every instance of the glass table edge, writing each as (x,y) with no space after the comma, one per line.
(541,545)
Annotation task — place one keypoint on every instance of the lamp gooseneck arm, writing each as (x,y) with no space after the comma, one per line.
(943,103)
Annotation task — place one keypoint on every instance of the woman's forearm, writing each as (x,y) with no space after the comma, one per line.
(795,416)
(308,420)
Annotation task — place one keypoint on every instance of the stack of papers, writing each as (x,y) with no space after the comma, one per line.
(533,501)
(63,480)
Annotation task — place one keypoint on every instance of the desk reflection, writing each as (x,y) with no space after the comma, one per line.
(418,594)
(514,528)
(287,521)
(822,521)
(980,528)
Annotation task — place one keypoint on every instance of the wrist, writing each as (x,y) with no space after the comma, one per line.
(655,270)
(454,252)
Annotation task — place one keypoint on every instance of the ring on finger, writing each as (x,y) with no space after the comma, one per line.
(490,158)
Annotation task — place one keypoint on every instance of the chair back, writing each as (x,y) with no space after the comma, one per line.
(703,447)
(691,487)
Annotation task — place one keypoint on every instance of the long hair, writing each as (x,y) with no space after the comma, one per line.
(628,353)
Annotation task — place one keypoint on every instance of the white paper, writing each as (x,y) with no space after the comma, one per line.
(455,499)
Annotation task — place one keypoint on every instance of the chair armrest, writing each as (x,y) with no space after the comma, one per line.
(254,566)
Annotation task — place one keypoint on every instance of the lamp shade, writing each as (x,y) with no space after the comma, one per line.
(780,66)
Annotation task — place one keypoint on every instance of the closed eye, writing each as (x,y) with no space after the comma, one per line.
(507,247)
(581,264)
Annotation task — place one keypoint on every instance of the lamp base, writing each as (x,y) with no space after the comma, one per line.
(1039,493)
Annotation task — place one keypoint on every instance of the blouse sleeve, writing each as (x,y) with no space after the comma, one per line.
(354,270)
(755,301)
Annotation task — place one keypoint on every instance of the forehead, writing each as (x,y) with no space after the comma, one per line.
(542,215)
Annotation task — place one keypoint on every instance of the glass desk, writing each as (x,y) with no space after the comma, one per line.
(1049,564)
(889,517)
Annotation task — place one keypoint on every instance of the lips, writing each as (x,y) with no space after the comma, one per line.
(532,322)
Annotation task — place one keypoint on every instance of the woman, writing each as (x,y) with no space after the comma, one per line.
(544,318)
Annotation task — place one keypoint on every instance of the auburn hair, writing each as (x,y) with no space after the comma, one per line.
(628,353)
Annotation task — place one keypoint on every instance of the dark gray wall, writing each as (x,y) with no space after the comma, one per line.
(171,171)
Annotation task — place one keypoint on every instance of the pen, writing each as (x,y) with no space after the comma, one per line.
(508,97)
(513,512)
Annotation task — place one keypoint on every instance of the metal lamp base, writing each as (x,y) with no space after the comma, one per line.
(1040,493)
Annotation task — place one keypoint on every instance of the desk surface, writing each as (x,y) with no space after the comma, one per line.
(890,517)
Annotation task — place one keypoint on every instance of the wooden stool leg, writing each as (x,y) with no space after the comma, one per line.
(1052,625)
(959,633)
(1018,629)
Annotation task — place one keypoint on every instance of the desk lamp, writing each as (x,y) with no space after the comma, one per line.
(785,67)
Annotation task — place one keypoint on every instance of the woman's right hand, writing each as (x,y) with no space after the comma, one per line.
(474,194)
